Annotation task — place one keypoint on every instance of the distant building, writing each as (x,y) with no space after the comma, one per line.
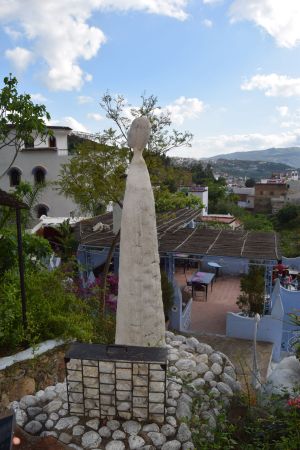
(198,191)
(246,196)
(270,196)
(40,161)
(225,219)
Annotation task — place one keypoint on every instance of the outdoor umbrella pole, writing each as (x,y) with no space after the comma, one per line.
(21,268)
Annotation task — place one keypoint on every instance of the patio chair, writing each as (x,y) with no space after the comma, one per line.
(199,292)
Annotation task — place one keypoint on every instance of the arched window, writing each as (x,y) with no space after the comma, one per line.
(41,210)
(52,141)
(39,174)
(14,176)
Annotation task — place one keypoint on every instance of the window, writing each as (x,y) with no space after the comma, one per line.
(29,143)
(14,176)
(41,210)
(52,141)
(39,174)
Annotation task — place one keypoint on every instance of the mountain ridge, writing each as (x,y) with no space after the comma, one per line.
(283,155)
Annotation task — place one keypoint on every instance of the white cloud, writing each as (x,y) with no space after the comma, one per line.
(280,19)
(273,85)
(82,99)
(60,35)
(95,116)
(19,57)
(211,146)
(38,98)
(210,2)
(207,23)
(13,34)
(69,121)
(283,111)
(185,108)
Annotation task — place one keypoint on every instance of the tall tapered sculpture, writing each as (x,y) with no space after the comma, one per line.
(140,315)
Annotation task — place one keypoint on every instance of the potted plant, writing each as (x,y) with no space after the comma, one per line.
(251,300)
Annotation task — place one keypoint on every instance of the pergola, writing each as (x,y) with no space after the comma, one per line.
(178,235)
(11,201)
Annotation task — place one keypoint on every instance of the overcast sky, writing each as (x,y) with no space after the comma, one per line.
(228,70)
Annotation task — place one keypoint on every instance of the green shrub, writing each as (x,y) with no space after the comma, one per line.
(251,300)
(52,311)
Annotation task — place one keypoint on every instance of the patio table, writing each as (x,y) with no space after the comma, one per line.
(203,278)
(216,266)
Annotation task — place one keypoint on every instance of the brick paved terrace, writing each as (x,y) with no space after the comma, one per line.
(209,317)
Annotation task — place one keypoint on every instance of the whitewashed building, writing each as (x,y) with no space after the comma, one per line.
(40,161)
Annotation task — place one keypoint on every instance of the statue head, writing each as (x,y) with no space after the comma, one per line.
(139,133)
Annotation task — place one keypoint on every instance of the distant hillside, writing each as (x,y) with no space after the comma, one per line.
(235,167)
(289,156)
(249,169)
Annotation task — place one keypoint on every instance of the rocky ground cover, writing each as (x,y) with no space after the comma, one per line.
(195,372)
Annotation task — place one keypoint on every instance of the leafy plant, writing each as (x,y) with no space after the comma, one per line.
(251,300)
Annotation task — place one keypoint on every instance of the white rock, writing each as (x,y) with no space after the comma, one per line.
(158,439)
(115,445)
(204,348)
(185,364)
(202,358)
(104,432)
(41,418)
(28,400)
(216,358)
(91,439)
(66,423)
(53,406)
(39,394)
(33,427)
(216,369)
(33,411)
(65,438)
(171,420)
(53,416)
(75,447)
(224,389)
(184,433)
(188,446)
(179,337)
(201,368)
(171,410)
(150,427)
(193,342)
(94,424)
(63,412)
(171,445)
(197,384)
(135,442)
(78,430)
(60,387)
(48,395)
(229,370)
(118,435)
(208,376)
(168,431)
(131,427)
(48,433)
(113,424)
(49,424)
(21,417)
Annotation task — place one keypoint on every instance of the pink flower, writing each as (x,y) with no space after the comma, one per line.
(294,402)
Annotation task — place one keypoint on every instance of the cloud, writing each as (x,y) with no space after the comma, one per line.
(207,23)
(82,99)
(210,2)
(38,98)
(19,57)
(60,36)
(185,108)
(69,121)
(283,110)
(211,146)
(13,34)
(280,19)
(273,85)
(95,116)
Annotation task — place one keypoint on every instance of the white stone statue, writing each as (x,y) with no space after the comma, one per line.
(140,314)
